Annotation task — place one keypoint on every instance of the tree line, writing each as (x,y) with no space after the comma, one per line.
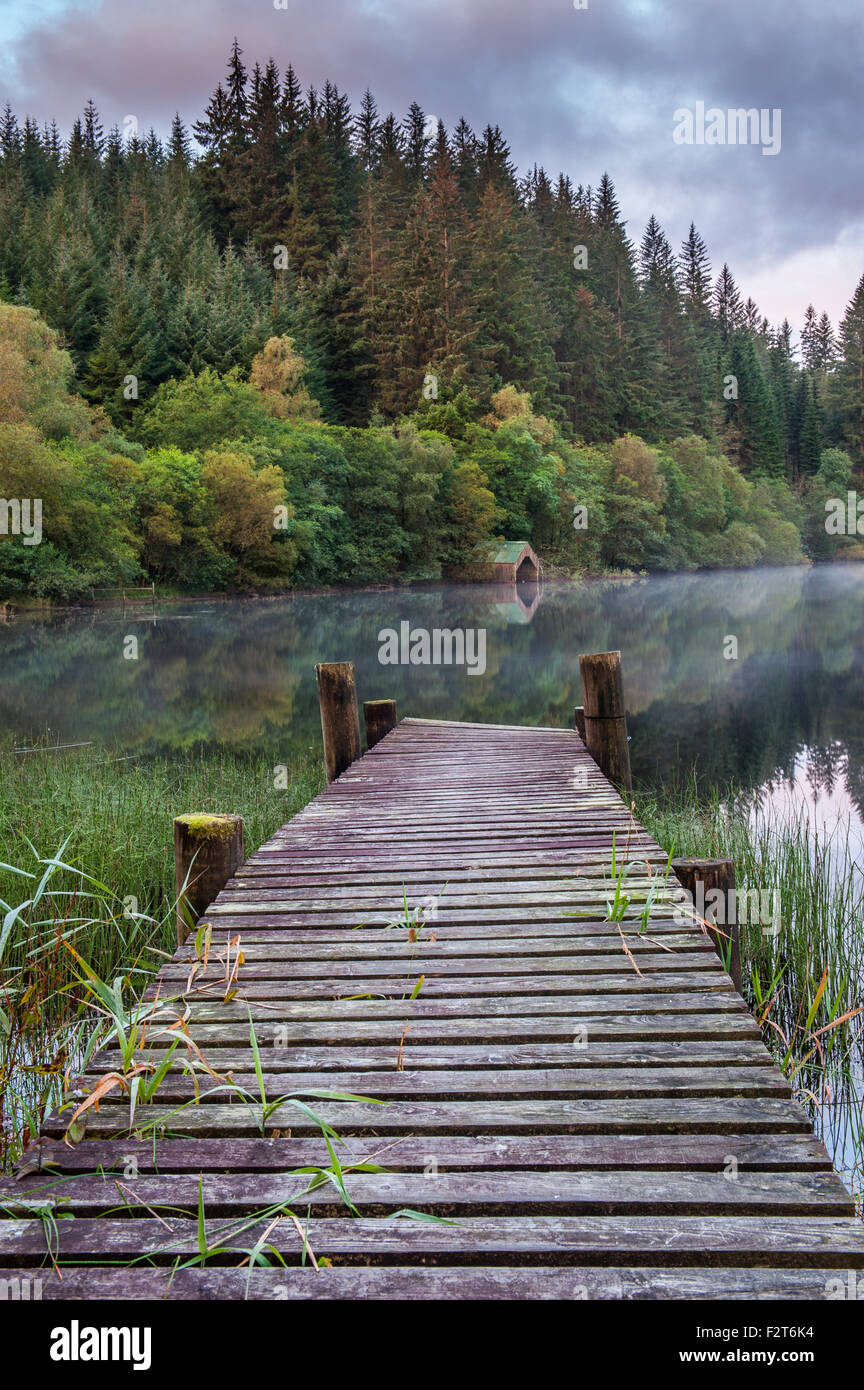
(411,295)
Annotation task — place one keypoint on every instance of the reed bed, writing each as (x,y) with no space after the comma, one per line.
(805,981)
(87,873)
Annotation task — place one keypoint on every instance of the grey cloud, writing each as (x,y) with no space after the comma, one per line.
(581,91)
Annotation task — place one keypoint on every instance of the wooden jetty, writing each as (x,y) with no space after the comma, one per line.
(584,1120)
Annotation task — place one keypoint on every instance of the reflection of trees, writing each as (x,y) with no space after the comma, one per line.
(826,766)
(243,672)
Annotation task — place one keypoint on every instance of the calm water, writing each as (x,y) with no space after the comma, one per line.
(787,714)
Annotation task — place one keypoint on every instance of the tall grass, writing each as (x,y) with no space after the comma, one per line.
(86,861)
(805,983)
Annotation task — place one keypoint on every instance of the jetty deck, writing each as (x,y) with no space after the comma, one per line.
(584,1120)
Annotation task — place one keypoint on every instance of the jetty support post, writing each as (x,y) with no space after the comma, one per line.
(579,721)
(208,851)
(380,717)
(340,720)
(605,716)
(711,884)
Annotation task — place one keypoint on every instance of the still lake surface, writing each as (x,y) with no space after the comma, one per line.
(785,715)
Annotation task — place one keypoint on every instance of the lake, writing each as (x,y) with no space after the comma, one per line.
(780,707)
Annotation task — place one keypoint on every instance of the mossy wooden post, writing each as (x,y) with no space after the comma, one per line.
(711,884)
(579,721)
(380,717)
(208,850)
(340,720)
(605,718)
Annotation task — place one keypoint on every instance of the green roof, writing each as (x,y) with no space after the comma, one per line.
(508,553)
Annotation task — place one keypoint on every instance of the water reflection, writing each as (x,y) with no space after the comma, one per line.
(242,672)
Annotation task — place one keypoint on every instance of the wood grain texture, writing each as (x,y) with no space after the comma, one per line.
(586,1105)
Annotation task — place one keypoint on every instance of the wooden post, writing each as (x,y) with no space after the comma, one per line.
(604,714)
(714,879)
(340,721)
(380,717)
(579,721)
(208,850)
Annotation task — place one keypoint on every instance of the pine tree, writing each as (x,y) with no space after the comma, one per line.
(494,166)
(514,335)
(94,140)
(439,324)
(752,319)
(758,441)
(237,105)
(661,331)
(785,382)
(465,162)
(292,111)
(367,128)
(810,450)
(826,345)
(127,348)
(727,304)
(810,339)
(847,379)
(696,276)
(178,145)
(10,135)
(417,141)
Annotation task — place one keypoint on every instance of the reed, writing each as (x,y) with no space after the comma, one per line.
(804,972)
(87,875)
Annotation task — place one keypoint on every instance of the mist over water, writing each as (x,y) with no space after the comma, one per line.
(786,713)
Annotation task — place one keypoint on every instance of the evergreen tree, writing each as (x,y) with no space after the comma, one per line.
(756,435)
(366,131)
(826,345)
(696,277)
(727,304)
(810,339)
(810,450)
(847,380)
(118,375)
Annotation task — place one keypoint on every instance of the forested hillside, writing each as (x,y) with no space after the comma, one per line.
(376,330)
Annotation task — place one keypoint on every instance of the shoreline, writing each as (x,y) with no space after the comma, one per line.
(29,608)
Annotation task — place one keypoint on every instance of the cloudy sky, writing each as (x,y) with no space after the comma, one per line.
(581,90)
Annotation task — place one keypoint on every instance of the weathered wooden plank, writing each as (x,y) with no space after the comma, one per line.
(457,1194)
(336,986)
(579,932)
(215,1027)
(791,1241)
(568,1152)
(279,1056)
(718,1012)
(560,1116)
(605,1083)
(397,947)
(440,1282)
(540,938)
(372,897)
(434,966)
